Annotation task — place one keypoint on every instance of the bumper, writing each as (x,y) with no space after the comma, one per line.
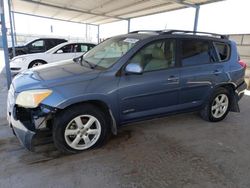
(240,90)
(16,68)
(24,135)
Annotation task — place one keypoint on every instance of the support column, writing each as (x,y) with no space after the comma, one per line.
(14,26)
(86,36)
(5,44)
(11,30)
(196,19)
(98,34)
(128,25)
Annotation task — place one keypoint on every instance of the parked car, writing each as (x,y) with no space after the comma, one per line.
(60,52)
(124,79)
(36,46)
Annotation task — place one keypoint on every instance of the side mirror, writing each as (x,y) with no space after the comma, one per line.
(59,52)
(133,68)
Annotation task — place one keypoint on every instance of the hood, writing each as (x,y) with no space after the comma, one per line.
(52,75)
(16,47)
(27,55)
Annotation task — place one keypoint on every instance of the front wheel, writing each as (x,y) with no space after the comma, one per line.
(217,107)
(80,128)
(36,63)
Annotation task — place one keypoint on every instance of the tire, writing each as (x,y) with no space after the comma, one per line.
(36,63)
(208,112)
(66,121)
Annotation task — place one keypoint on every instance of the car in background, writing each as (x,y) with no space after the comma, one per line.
(64,51)
(36,46)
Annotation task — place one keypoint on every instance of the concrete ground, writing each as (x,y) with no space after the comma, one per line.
(172,152)
(176,151)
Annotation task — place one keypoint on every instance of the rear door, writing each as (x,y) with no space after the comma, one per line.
(199,71)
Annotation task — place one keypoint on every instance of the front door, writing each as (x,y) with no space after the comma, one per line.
(156,90)
(64,53)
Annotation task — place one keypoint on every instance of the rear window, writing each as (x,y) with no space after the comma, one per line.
(223,50)
(196,52)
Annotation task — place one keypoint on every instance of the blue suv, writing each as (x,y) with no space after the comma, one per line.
(133,77)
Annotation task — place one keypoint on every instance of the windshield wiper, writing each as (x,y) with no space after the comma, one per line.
(80,60)
(90,65)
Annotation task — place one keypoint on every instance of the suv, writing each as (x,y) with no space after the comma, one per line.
(127,78)
(36,46)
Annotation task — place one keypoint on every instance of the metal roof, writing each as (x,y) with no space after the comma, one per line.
(100,11)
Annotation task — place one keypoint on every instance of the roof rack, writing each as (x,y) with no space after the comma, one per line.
(147,31)
(195,32)
(181,32)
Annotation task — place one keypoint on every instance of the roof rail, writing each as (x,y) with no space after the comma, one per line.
(147,31)
(181,32)
(195,32)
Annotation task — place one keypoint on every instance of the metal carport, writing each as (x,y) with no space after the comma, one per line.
(94,12)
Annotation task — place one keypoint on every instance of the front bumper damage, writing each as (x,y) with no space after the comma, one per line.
(24,135)
(26,123)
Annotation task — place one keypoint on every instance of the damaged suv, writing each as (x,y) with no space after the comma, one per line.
(127,78)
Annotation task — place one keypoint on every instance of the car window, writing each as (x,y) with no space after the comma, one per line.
(81,48)
(156,56)
(223,50)
(196,52)
(70,48)
(39,44)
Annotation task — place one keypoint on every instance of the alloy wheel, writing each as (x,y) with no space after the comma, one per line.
(82,132)
(220,106)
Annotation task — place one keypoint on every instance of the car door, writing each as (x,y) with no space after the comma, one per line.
(37,46)
(156,90)
(199,71)
(64,53)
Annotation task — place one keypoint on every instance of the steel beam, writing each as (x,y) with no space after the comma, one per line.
(47,17)
(98,34)
(5,44)
(71,9)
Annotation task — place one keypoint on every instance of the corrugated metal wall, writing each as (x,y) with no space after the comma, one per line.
(243,43)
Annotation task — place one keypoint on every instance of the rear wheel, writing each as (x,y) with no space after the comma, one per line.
(217,107)
(79,128)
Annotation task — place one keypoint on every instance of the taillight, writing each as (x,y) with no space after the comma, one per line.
(242,63)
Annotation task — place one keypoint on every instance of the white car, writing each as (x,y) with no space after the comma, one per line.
(64,51)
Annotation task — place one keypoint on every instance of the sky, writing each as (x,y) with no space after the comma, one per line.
(226,17)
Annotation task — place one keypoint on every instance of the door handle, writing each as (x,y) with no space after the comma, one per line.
(216,72)
(173,79)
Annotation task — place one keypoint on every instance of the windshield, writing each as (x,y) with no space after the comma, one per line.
(108,52)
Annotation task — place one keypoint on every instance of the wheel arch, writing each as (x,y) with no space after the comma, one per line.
(231,87)
(35,60)
(103,107)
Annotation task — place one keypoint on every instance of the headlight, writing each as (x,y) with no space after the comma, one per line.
(32,98)
(19,60)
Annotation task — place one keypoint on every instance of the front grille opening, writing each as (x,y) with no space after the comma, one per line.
(15,69)
(23,114)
